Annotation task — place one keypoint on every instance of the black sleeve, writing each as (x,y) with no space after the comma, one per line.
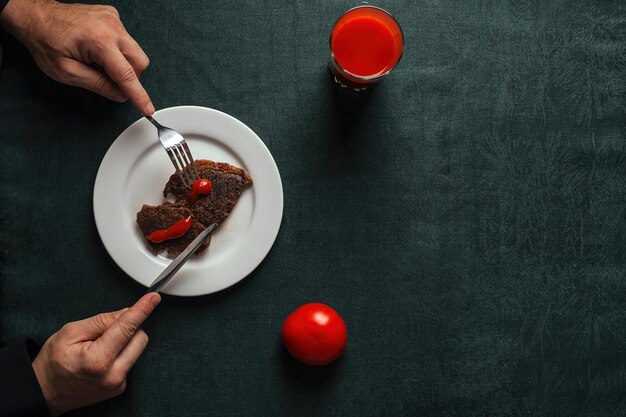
(3,3)
(20,394)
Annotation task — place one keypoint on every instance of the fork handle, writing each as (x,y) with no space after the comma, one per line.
(154,122)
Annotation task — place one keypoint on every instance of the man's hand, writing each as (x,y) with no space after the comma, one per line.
(87,361)
(81,45)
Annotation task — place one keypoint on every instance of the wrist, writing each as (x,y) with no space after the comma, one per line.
(24,18)
(41,374)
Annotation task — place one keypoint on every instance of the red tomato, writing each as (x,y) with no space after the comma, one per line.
(315,334)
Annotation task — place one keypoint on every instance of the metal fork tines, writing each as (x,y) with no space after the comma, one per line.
(178,151)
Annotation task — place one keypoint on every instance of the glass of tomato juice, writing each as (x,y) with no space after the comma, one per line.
(366,43)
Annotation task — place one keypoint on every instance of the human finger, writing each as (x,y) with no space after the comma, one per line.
(76,73)
(92,327)
(131,352)
(136,56)
(118,334)
(123,74)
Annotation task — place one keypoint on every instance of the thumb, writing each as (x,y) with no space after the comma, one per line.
(92,328)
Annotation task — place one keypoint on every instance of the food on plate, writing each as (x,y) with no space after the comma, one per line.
(153,219)
(175,231)
(198,188)
(228,183)
(209,200)
(315,334)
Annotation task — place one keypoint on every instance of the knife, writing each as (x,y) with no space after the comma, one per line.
(180,260)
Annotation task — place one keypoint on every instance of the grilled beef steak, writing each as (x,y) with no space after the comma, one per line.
(153,218)
(228,184)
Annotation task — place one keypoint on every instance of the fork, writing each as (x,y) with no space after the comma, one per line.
(178,151)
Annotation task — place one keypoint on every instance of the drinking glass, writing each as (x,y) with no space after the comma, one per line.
(366,43)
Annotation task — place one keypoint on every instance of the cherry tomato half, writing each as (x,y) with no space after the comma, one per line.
(315,334)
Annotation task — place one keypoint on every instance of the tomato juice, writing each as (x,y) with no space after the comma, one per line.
(366,43)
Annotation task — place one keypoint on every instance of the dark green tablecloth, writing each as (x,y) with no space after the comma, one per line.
(466,218)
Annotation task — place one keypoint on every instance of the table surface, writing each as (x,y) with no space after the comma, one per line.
(466,217)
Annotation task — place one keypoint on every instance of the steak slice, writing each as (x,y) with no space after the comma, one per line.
(153,218)
(228,184)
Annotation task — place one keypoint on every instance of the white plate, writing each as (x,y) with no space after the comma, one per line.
(134,171)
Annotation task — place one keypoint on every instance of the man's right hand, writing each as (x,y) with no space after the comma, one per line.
(81,45)
(87,361)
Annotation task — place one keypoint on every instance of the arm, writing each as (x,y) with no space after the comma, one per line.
(20,393)
(81,45)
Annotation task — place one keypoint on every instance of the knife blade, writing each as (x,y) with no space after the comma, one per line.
(180,260)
